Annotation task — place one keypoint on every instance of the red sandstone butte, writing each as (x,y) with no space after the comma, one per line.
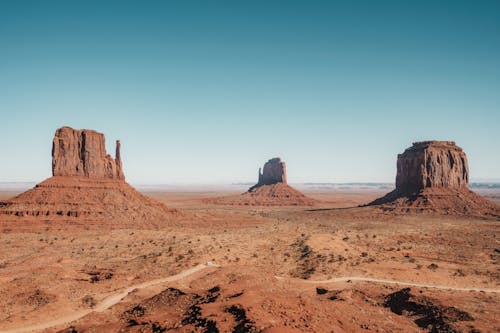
(82,153)
(271,189)
(433,176)
(87,185)
(274,172)
(432,164)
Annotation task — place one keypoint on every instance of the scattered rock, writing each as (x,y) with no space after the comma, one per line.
(89,301)
(433,267)
(332,295)
(321,291)
(97,276)
(434,318)
(35,298)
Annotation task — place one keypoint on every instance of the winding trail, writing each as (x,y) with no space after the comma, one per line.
(396,282)
(109,301)
(113,299)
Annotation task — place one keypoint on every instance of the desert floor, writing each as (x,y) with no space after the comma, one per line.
(283,269)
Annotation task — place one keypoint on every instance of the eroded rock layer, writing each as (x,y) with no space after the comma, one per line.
(432,164)
(80,198)
(82,153)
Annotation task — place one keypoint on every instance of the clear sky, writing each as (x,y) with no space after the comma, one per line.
(207,91)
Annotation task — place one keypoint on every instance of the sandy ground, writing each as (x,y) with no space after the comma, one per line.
(281,269)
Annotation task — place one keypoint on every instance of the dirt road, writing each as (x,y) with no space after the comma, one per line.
(108,301)
(402,283)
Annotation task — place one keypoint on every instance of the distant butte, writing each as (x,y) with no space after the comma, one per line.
(274,173)
(433,176)
(87,185)
(271,189)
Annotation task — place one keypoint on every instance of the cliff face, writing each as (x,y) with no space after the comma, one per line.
(82,153)
(432,177)
(431,164)
(274,172)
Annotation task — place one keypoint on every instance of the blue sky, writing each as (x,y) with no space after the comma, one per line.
(207,91)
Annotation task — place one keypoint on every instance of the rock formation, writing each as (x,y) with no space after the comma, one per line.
(271,189)
(433,176)
(82,153)
(87,185)
(274,172)
(432,164)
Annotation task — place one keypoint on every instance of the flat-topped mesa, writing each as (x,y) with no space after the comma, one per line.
(274,172)
(82,153)
(431,164)
(432,178)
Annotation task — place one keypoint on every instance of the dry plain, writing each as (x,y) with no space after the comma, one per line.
(271,269)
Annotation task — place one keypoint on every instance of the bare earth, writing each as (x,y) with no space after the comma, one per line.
(325,268)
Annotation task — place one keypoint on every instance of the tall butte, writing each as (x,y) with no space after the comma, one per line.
(274,173)
(82,153)
(87,185)
(433,176)
(272,188)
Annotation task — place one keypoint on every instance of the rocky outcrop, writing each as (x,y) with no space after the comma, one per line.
(274,172)
(433,177)
(431,164)
(82,153)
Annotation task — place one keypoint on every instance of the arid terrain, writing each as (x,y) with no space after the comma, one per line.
(249,166)
(332,267)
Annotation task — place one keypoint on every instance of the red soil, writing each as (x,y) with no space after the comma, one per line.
(278,194)
(79,198)
(439,201)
